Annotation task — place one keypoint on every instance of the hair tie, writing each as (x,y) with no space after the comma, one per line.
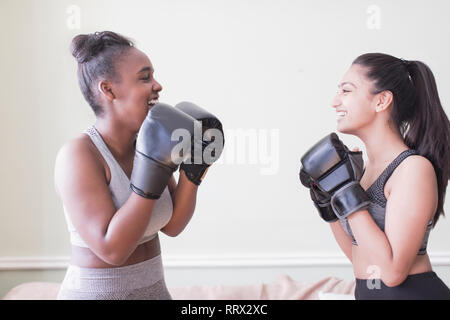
(407,64)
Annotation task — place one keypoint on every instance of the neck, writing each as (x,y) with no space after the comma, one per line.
(383,144)
(118,138)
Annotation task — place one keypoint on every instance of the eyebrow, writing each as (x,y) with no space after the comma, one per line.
(344,83)
(146,69)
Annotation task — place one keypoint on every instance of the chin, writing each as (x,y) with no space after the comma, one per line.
(138,123)
(341,128)
(345,129)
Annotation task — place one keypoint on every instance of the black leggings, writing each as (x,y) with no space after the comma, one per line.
(421,286)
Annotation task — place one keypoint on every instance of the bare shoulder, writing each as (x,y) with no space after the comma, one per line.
(77,157)
(76,146)
(416,167)
(77,151)
(415,176)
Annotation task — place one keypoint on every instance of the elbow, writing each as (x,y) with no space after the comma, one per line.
(171,233)
(115,259)
(394,279)
(114,254)
(396,273)
(172,229)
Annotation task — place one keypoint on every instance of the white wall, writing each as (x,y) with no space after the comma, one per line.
(267,68)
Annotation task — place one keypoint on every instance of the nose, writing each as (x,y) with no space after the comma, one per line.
(336,101)
(156,86)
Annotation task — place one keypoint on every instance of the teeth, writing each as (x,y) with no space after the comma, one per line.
(341,113)
(152,102)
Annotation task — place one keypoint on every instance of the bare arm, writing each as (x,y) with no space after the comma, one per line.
(343,240)
(410,205)
(111,234)
(184,197)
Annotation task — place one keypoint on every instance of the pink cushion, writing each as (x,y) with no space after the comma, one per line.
(284,288)
(33,291)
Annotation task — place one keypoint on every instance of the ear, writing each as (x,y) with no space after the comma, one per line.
(383,100)
(106,90)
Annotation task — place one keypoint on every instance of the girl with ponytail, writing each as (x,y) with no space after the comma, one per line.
(393,106)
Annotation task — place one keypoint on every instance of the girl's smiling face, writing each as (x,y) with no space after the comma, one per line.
(355,104)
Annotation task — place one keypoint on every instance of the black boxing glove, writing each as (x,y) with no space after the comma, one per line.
(321,199)
(202,156)
(337,171)
(155,159)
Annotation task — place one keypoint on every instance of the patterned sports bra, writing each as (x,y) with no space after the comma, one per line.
(377,207)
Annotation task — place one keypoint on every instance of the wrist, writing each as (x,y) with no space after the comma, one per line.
(184,181)
(194,172)
(326,212)
(349,199)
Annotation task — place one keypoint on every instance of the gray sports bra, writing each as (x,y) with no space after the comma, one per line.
(377,207)
(120,190)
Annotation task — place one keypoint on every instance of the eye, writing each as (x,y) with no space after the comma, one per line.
(345,91)
(147,77)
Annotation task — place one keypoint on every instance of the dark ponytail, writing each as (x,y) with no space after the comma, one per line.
(96,55)
(417,111)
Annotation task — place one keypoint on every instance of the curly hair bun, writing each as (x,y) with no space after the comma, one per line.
(85,47)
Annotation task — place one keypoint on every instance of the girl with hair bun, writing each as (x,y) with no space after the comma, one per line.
(114,231)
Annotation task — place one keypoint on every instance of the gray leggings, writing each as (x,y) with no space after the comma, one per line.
(140,281)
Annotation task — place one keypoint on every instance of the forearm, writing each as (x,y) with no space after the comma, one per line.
(127,227)
(343,240)
(372,242)
(184,201)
